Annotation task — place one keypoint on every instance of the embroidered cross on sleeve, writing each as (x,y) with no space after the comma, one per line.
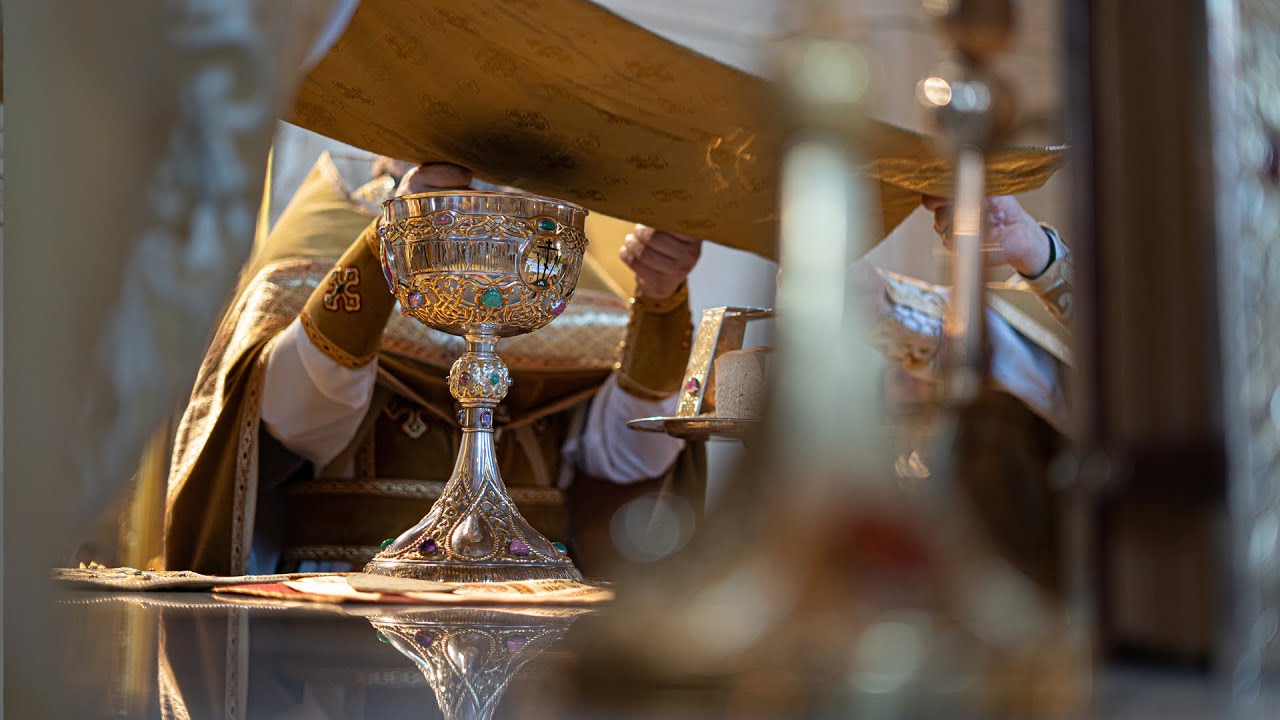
(343,293)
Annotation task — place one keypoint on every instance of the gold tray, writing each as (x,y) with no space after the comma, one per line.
(699,428)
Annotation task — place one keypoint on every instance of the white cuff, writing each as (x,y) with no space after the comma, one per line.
(608,449)
(310,403)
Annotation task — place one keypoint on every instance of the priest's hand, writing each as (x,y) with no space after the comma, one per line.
(433,177)
(1013,236)
(660,260)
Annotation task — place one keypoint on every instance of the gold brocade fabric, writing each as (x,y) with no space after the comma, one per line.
(563,98)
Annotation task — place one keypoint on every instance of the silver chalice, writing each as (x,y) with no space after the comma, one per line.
(482,265)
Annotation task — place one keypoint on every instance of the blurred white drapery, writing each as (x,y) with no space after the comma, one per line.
(145,128)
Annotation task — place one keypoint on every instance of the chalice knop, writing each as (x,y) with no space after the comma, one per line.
(482,265)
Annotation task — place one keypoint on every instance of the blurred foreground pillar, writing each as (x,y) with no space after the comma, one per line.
(138,143)
(1176,117)
(1244,52)
(1152,432)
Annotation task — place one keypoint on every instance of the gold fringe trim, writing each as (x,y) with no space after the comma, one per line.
(331,349)
(634,388)
(666,305)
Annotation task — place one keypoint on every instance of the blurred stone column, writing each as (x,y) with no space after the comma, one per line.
(1154,472)
(131,204)
(1245,68)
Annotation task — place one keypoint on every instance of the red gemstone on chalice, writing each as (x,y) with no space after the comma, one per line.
(442,220)
(557,307)
(465,378)
(693,386)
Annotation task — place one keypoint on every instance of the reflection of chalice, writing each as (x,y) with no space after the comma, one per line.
(470,655)
(484,266)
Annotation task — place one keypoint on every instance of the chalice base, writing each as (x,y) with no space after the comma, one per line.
(474,533)
(477,573)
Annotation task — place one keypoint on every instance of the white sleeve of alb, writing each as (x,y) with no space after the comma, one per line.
(608,449)
(310,403)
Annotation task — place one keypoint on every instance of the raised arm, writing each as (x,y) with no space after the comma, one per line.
(1033,249)
(651,363)
(909,313)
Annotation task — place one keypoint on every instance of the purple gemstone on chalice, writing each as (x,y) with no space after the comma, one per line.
(516,643)
(519,547)
(486,418)
(427,547)
(442,220)
(557,307)
(415,300)
(462,417)
(425,638)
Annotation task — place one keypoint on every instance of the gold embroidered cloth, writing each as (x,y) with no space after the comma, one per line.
(128,579)
(563,98)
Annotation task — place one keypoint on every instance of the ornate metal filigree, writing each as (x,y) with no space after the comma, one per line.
(455,225)
(477,377)
(459,304)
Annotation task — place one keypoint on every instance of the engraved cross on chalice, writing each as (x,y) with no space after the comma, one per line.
(482,265)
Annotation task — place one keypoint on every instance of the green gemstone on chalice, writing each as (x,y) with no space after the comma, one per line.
(491,298)
(547,225)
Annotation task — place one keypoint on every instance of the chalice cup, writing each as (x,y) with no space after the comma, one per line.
(482,265)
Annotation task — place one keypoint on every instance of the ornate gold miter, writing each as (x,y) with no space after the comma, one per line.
(483,266)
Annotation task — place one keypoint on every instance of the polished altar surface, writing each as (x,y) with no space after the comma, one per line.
(197,655)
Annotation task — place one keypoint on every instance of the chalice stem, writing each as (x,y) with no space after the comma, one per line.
(477,462)
(474,532)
